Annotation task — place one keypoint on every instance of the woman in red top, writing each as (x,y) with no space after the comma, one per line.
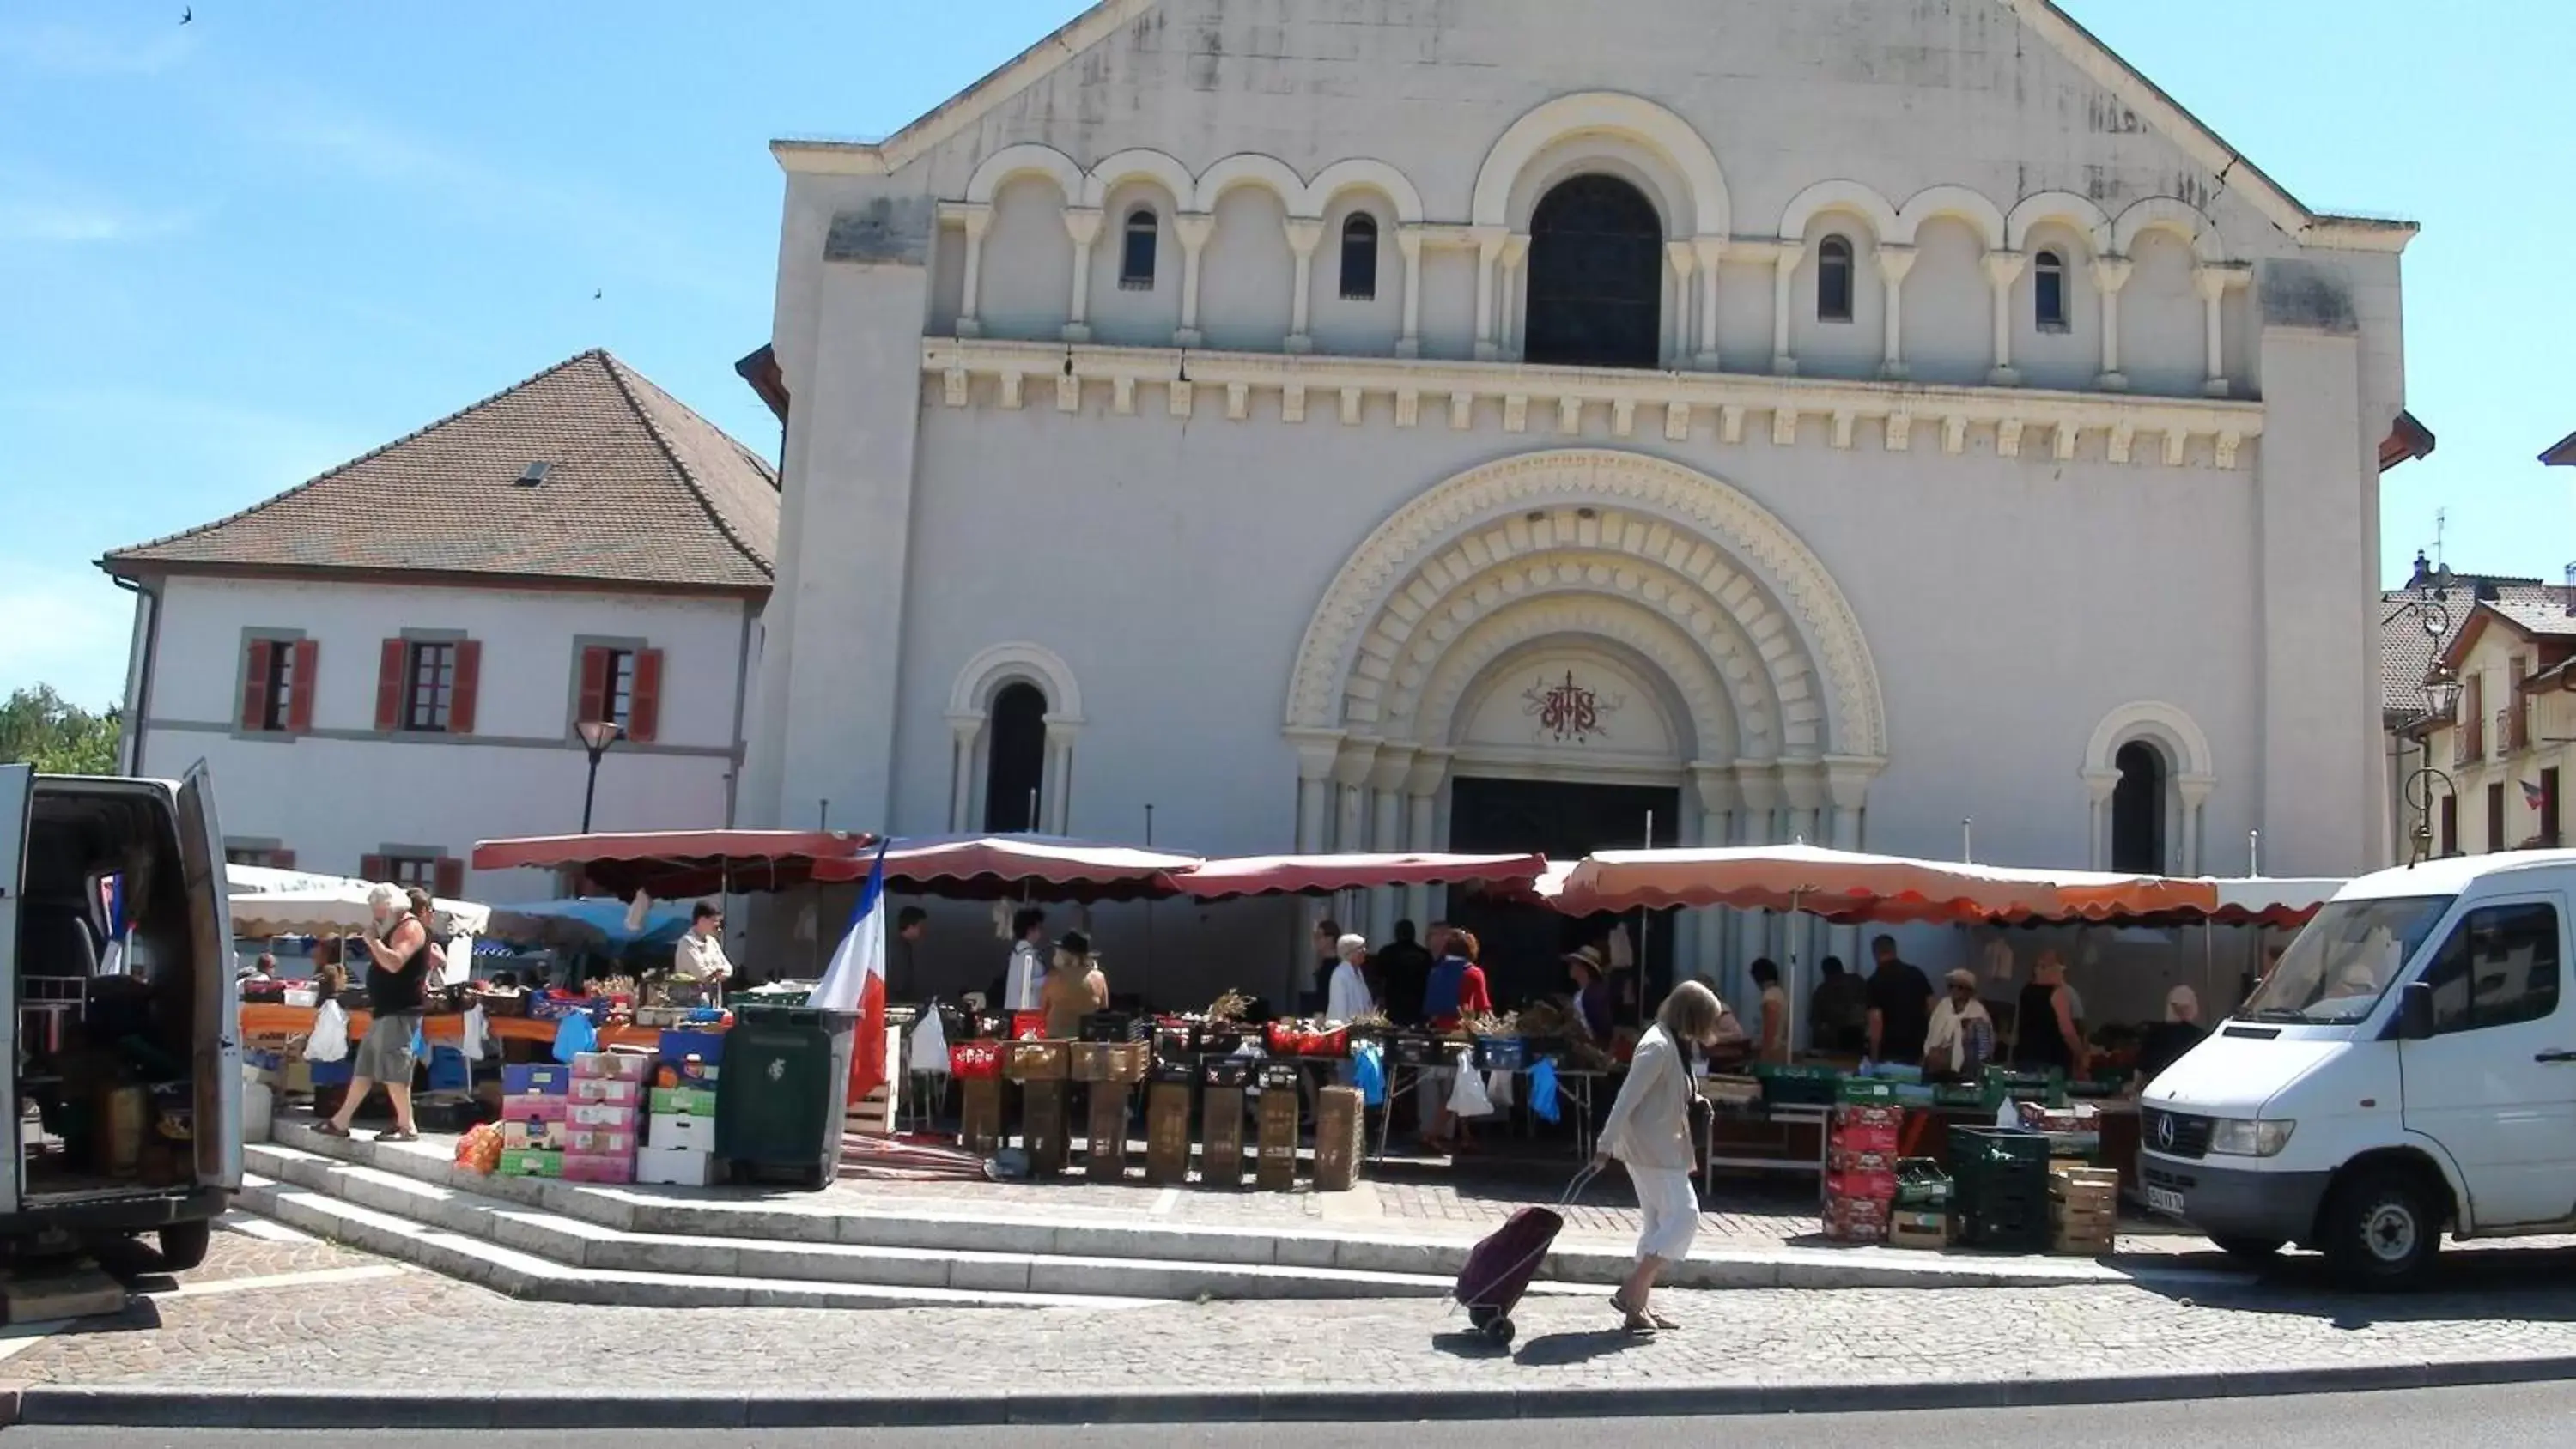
(1455,991)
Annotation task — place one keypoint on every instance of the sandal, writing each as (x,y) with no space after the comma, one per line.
(1663,1324)
(330,1129)
(395,1136)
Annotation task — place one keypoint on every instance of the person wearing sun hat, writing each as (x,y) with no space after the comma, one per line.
(1074,987)
(1592,1003)
(1962,1038)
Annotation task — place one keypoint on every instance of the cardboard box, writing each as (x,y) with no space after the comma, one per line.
(683,1102)
(694,1134)
(580,1168)
(1044,1111)
(1275,1167)
(530,1163)
(535,1109)
(601,1114)
(979,1114)
(599,1141)
(533,1136)
(675,1167)
(1105,1158)
(521,1079)
(611,1067)
(1341,1138)
(1167,1133)
(614,1090)
(1221,1137)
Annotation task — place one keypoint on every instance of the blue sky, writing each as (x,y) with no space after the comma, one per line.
(238,251)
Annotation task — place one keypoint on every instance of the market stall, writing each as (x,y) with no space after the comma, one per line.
(679,864)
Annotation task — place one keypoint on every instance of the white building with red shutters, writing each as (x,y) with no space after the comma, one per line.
(387,663)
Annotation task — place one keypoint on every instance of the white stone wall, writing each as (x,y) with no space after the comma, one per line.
(340,791)
(1151,492)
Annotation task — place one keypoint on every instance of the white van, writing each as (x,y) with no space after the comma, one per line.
(123,1046)
(2408,1067)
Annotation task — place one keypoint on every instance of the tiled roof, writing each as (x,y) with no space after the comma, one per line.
(637,489)
(2407,652)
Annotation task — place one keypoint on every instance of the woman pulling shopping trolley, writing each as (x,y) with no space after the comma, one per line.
(1649,1133)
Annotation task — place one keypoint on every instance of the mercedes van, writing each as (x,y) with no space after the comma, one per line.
(2408,1068)
(123,1044)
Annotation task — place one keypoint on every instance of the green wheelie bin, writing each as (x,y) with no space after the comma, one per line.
(780,1099)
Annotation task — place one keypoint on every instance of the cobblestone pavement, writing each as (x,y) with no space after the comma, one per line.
(419,1332)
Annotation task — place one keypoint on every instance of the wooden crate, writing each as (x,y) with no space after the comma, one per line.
(1038,1061)
(980,1114)
(1276,1167)
(1105,1160)
(1221,1137)
(1167,1133)
(1341,1138)
(1120,1061)
(1044,1110)
(1923,1232)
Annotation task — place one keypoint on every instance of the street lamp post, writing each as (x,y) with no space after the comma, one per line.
(596,736)
(2441,690)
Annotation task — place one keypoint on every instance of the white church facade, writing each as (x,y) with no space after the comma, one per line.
(1417,426)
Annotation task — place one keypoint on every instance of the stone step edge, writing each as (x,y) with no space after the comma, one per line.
(1596,1263)
(591,1247)
(518,1274)
(128,1406)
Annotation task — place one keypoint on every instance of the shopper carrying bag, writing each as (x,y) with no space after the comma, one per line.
(1649,1133)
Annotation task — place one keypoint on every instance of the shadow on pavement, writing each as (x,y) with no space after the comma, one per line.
(1468,1345)
(1559,1350)
(2525,1284)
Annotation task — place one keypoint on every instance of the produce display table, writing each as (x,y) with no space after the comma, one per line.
(1794,1119)
(274,1019)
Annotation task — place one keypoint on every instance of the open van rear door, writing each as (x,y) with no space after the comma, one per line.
(17,784)
(218,1057)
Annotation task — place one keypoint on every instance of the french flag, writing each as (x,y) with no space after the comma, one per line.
(856,981)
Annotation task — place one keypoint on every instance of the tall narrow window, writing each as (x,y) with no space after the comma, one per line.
(1834,280)
(1596,276)
(277,686)
(1359,258)
(428,685)
(2050,273)
(2138,810)
(2450,826)
(1136,257)
(2495,818)
(1015,764)
(2549,809)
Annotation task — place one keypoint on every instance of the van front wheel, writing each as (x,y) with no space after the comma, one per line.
(2382,1229)
(184,1245)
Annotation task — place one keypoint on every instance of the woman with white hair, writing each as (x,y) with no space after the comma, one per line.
(1649,1133)
(397,999)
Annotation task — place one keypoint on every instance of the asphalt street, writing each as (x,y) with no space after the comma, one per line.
(2495,1418)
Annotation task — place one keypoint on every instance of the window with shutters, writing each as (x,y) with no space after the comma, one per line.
(427,867)
(427,684)
(277,684)
(412,870)
(272,857)
(619,681)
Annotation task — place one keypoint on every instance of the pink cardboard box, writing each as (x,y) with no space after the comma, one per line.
(610,1067)
(580,1168)
(602,1114)
(534,1109)
(608,1089)
(600,1141)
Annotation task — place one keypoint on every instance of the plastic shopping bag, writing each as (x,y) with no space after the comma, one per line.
(1467,1096)
(1542,1084)
(928,1049)
(1498,1090)
(475,1032)
(575,1035)
(330,1039)
(1368,1073)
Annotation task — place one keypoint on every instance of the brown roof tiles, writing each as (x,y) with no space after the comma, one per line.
(637,490)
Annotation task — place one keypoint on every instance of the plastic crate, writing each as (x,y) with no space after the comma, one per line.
(2048,1086)
(1920,1183)
(1784,1086)
(1974,1147)
(1502,1053)
(1865,1091)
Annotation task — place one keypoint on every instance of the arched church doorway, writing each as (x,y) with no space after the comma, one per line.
(1525,944)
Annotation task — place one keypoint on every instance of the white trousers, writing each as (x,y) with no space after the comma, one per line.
(1672,1211)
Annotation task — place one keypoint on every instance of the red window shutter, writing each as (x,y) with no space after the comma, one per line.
(373,869)
(594,686)
(644,710)
(254,698)
(451,877)
(469,666)
(299,694)
(281,859)
(389,685)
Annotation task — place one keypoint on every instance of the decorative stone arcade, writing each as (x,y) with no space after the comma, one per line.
(1589,616)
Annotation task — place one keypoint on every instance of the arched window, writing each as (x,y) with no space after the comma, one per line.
(2138,810)
(1015,758)
(1834,280)
(1136,258)
(1359,258)
(1596,276)
(2050,274)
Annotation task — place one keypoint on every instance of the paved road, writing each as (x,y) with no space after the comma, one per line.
(2499,1418)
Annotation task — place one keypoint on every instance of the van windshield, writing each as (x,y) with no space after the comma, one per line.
(2342,963)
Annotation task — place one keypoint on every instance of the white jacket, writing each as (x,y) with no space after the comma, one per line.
(1346,995)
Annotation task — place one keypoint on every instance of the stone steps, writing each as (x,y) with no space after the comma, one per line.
(540,1253)
(765,1230)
